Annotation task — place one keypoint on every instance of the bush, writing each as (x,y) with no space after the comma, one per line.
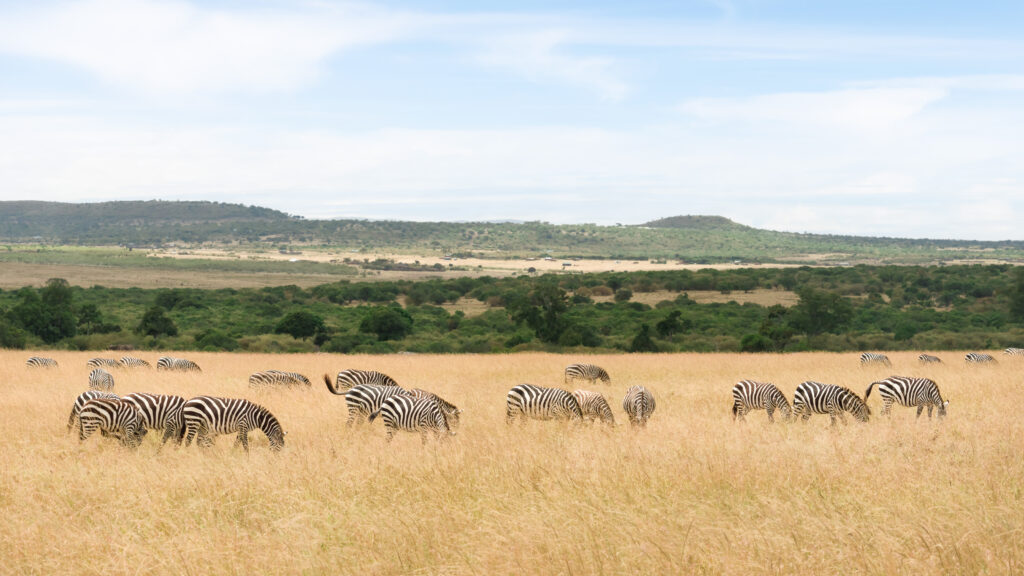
(300,325)
(156,323)
(623,295)
(387,322)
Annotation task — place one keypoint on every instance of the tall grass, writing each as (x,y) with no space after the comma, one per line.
(693,493)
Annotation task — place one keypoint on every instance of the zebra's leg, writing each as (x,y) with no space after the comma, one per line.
(771,414)
(920,407)
(242,438)
(930,406)
(85,430)
(191,430)
(71,419)
(887,407)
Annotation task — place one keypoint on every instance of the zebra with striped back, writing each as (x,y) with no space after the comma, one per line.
(817,398)
(277,378)
(206,417)
(100,379)
(929,359)
(1014,351)
(872,358)
(750,395)
(910,392)
(160,412)
(527,401)
(588,372)
(40,362)
(84,397)
(979,358)
(451,412)
(363,400)
(100,362)
(176,364)
(638,405)
(132,362)
(594,407)
(413,414)
(352,377)
(113,417)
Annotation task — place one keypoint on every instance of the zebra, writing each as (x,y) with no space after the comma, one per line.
(588,372)
(414,414)
(527,401)
(979,358)
(364,400)
(451,412)
(132,362)
(928,359)
(351,377)
(277,377)
(1014,351)
(82,399)
(638,405)
(817,398)
(179,364)
(98,362)
(873,358)
(100,379)
(160,412)
(113,417)
(40,362)
(206,416)
(750,395)
(909,392)
(594,407)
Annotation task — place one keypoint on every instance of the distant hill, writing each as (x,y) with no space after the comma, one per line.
(696,223)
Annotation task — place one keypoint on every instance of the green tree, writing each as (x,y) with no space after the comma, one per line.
(623,295)
(300,325)
(155,322)
(671,324)
(50,313)
(642,342)
(819,311)
(1017,297)
(387,322)
(10,335)
(543,310)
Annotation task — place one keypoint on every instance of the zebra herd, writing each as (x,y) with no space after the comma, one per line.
(530,402)
(874,358)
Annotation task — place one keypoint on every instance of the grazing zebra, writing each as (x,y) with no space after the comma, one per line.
(639,405)
(179,364)
(817,398)
(979,358)
(750,395)
(40,362)
(587,372)
(594,407)
(364,400)
(909,392)
(160,412)
(206,416)
(873,358)
(97,362)
(1014,351)
(132,362)
(277,378)
(350,378)
(527,401)
(928,359)
(113,417)
(82,399)
(413,414)
(451,412)
(100,379)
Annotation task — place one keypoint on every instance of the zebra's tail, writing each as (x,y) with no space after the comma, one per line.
(373,415)
(330,385)
(868,392)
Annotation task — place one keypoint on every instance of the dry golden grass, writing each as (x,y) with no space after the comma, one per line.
(693,493)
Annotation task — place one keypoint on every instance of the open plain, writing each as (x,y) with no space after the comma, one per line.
(694,493)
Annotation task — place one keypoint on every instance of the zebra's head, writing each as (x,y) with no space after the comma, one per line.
(942,409)
(276,438)
(859,409)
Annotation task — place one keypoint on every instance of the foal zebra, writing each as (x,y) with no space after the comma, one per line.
(277,378)
(527,401)
(979,358)
(928,359)
(160,412)
(82,399)
(206,416)
(750,395)
(413,414)
(594,407)
(1014,351)
(817,398)
(868,358)
(40,362)
(588,372)
(909,392)
(350,378)
(113,417)
(177,364)
(363,400)
(97,362)
(638,405)
(132,362)
(100,379)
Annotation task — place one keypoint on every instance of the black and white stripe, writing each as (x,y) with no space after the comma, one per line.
(113,417)
(176,364)
(869,358)
(639,405)
(979,358)
(350,378)
(277,378)
(929,359)
(1014,351)
(207,416)
(132,362)
(160,412)
(910,392)
(98,362)
(100,379)
(363,400)
(817,398)
(589,372)
(40,362)
(750,395)
(594,407)
(451,412)
(82,399)
(527,401)
(413,414)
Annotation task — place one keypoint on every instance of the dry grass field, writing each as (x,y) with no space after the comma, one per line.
(694,493)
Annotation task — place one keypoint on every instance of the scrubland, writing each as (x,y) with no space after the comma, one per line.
(694,493)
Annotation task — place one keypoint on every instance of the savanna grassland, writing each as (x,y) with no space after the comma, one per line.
(694,493)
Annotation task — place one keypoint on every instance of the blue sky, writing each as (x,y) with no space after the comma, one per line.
(874,118)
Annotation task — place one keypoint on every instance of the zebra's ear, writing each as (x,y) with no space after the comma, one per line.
(946,403)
